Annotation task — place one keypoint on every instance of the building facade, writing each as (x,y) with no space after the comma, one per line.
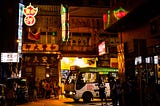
(140,36)
(42,58)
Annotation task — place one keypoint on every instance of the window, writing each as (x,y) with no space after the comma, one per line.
(48,37)
(89,77)
(74,42)
(84,78)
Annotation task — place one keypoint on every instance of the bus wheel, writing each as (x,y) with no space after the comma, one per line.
(87,96)
(76,100)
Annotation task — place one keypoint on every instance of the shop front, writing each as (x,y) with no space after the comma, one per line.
(39,66)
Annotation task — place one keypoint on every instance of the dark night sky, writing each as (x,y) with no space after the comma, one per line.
(8,25)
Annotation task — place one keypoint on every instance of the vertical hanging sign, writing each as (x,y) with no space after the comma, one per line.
(106,19)
(30,12)
(20,27)
(64,23)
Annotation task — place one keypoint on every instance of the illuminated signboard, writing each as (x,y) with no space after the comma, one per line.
(20,28)
(64,23)
(67,62)
(102,48)
(155,59)
(138,60)
(120,13)
(30,12)
(9,57)
(106,19)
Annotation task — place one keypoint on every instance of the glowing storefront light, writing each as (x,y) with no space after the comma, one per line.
(79,62)
(30,12)
(66,62)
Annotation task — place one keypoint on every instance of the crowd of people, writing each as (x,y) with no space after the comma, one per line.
(130,92)
(121,94)
(43,89)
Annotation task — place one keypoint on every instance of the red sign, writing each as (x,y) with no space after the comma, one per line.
(119,13)
(30,13)
(102,48)
(90,87)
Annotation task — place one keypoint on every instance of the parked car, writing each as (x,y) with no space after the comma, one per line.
(2,94)
(21,88)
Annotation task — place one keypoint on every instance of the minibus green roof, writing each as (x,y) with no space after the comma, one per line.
(98,69)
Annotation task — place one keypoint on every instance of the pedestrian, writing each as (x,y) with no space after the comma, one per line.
(48,90)
(10,97)
(31,90)
(128,92)
(37,84)
(44,82)
(113,90)
(35,93)
(119,91)
(102,92)
(56,89)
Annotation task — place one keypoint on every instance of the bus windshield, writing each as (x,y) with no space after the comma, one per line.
(71,77)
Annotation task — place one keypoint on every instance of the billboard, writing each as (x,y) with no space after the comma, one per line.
(102,48)
(9,57)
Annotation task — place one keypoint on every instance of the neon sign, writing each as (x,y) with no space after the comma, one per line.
(65,23)
(30,12)
(119,13)
(102,48)
(106,19)
(20,27)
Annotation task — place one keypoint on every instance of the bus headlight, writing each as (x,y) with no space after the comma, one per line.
(72,93)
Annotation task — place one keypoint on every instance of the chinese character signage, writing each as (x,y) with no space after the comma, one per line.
(40,59)
(64,23)
(30,12)
(9,57)
(20,27)
(40,47)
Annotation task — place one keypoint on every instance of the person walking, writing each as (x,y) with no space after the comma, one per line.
(102,92)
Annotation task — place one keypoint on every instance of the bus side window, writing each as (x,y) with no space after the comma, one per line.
(80,81)
(91,77)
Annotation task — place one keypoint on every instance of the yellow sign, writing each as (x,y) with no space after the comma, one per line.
(66,62)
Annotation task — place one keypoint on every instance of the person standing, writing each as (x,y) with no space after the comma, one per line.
(56,89)
(10,97)
(102,92)
(113,91)
(35,93)
(119,91)
(48,90)
(37,85)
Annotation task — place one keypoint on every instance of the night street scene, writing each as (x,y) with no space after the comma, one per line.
(79,53)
